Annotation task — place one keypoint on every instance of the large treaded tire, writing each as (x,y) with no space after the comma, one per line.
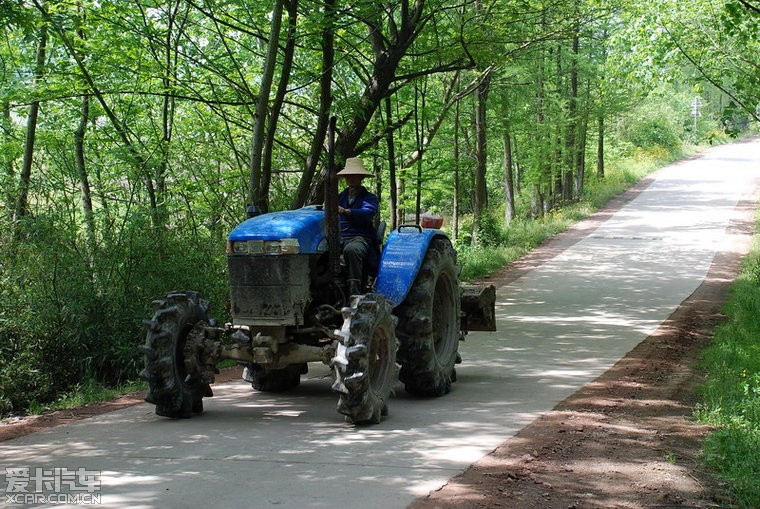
(365,359)
(177,382)
(428,329)
(276,380)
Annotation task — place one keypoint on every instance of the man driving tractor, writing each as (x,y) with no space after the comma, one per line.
(357,208)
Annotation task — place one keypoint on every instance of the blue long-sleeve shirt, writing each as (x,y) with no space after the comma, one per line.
(363,212)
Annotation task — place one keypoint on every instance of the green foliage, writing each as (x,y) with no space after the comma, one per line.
(477,263)
(654,123)
(89,392)
(730,396)
(490,231)
(600,191)
(65,322)
(515,240)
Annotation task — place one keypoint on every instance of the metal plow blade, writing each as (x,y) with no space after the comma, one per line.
(478,307)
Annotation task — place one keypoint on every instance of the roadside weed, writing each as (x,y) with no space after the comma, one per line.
(730,396)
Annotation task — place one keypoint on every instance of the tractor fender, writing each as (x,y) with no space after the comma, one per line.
(402,256)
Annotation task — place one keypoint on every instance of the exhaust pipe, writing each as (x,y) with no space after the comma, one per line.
(331,204)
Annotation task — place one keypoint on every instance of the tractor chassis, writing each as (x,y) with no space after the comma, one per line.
(207,347)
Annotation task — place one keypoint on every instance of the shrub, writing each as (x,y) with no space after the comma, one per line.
(656,122)
(66,321)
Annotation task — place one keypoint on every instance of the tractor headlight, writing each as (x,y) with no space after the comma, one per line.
(284,246)
(245,247)
(255,247)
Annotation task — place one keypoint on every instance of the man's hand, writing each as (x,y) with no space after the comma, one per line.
(344,212)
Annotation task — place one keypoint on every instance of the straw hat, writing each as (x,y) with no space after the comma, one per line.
(354,166)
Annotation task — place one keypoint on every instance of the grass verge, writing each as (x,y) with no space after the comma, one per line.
(87,393)
(730,397)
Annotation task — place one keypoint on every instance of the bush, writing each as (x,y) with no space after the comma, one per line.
(657,130)
(656,122)
(66,321)
(490,231)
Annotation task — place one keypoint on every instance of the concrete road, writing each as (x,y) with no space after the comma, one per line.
(560,326)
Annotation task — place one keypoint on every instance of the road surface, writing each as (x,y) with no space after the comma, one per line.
(559,326)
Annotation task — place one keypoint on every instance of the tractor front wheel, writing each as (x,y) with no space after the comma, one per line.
(177,377)
(365,359)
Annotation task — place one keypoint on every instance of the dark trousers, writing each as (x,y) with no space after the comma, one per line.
(355,253)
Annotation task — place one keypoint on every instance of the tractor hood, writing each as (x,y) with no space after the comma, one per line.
(306,225)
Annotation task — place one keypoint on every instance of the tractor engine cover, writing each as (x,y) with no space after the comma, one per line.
(271,260)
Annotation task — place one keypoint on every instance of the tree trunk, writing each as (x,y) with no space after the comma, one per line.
(378,171)
(580,153)
(107,232)
(391,164)
(7,159)
(509,181)
(404,26)
(516,164)
(455,211)
(323,117)
(419,126)
(84,181)
(282,88)
(386,62)
(537,203)
(480,197)
(571,145)
(559,171)
(541,161)
(401,212)
(167,110)
(22,199)
(600,147)
(255,196)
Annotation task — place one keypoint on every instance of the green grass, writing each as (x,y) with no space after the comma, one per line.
(86,393)
(730,397)
(92,391)
(521,236)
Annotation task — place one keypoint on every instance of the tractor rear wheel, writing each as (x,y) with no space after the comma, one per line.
(177,377)
(365,360)
(428,329)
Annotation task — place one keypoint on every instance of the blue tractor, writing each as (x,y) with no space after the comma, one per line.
(290,307)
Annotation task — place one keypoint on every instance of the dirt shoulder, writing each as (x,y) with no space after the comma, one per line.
(627,439)
(14,427)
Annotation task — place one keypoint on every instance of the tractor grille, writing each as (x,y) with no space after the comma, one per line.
(271,290)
